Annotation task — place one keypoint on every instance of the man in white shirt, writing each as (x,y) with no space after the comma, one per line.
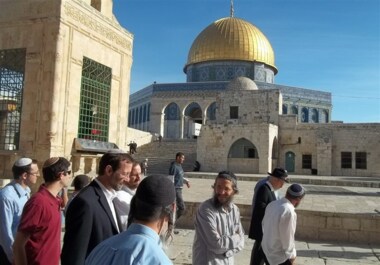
(279,227)
(124,196)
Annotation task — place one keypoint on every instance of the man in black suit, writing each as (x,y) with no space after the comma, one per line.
(91,217)
(265,195)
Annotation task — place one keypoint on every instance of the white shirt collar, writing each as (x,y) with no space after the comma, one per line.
(270,186)
(110,194)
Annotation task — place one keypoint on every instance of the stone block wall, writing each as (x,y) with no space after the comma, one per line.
(313,225)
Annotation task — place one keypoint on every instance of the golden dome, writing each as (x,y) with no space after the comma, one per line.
(231,38)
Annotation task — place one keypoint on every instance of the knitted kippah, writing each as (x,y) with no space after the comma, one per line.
(156,190)
(21,162)
(50,161)
(296,190)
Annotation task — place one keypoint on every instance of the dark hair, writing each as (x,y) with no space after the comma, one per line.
(51,172)
(225,174)
(18,171)
(179,154)
(81,181)
(113,159)
(142,211)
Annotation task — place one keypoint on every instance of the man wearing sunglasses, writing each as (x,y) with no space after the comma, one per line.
(38,238)
(12,201)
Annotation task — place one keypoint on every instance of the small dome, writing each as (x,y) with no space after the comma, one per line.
(231,38)
(242,83)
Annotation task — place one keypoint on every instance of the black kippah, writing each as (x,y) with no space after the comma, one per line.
(296,190)
(156,190)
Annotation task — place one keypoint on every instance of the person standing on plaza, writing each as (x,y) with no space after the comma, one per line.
(144,167)
(38,238)
(279,227)
(176,170)
(265,195)
(124,196)
(152,215)
(91,217)
(219,234)
(12,201)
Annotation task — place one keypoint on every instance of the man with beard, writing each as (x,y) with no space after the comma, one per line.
(91,217)
(219,234)
(124,196)
(279,227)
(152,215)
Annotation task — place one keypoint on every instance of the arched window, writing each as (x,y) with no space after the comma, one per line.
(305,115)
(294,110)
(172,112)
(211,112)
(284,109)
(144,114)
(243,148)
(148,119)
(325,116)
(314,116)
(141,115)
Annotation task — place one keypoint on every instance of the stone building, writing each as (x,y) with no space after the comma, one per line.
(62,64)
(248,123)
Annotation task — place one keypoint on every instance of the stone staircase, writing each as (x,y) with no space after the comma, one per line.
(160,155)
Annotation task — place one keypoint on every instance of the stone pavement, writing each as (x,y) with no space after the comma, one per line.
(308,253)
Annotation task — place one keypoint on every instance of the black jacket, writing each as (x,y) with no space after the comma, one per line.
(88,222)
(263,198)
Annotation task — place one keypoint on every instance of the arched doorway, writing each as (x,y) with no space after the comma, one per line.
(192,120)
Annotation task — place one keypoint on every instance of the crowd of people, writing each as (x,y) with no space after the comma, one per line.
(125,217)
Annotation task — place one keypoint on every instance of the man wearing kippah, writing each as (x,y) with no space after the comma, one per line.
(151,217)
(264,195)
(38,238)
(219,234)
(12,201)
(279,227)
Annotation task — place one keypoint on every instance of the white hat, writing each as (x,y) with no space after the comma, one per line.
(22,162)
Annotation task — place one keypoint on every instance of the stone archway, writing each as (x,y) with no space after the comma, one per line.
(243,157)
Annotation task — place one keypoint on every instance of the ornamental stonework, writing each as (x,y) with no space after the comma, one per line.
(96,26)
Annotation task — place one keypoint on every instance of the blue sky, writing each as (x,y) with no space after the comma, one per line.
(328,45)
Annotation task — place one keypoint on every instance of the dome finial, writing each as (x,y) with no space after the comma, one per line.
(232,9)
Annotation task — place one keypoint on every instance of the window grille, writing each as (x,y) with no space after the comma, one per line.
(12,73)
(346,159)
(94,101)
(306,161)
(361,160)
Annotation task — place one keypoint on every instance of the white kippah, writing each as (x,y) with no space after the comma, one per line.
(22,162)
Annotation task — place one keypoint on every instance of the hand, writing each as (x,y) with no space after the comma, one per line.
(188,184)
(292,261)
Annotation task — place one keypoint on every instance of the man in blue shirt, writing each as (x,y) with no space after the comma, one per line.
(151,217)
(176,170)
(12,200)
